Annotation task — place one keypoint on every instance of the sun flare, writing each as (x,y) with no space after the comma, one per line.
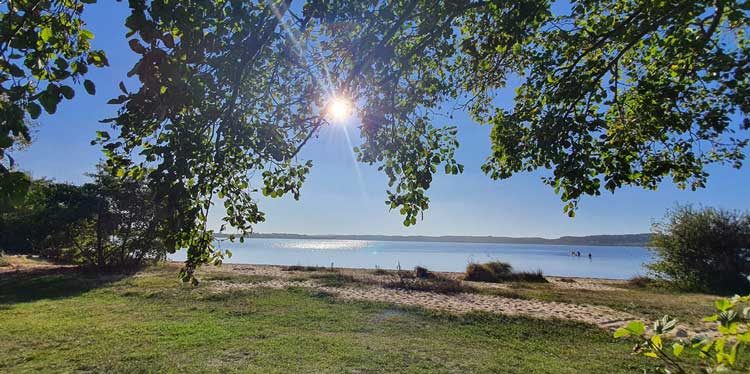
(339,109)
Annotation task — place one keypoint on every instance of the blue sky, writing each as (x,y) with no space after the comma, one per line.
(341,197)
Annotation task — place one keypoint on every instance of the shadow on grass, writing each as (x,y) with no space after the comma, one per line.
(50,283)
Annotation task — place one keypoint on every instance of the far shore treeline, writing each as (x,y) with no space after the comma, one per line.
(624,240)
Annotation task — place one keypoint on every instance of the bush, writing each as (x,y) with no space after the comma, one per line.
(4,261)
(109,224)
(480,273)
(527,276)
(422,273)
(497,271)
(500,268)
(703,250)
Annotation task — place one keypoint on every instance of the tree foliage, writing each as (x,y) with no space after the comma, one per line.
(233,88)
(705,249)
(110,223)
(37,224)
(43,49)
(613,93)
(620,92)
(121,229)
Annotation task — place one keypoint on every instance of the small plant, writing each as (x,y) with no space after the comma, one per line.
(4,261)
(480,273)
(718,354)
(422,273)
(497,271)
(379,271)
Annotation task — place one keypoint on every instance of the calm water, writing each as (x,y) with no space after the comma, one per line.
(607,262)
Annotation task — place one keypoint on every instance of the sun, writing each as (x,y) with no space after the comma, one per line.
(339,109)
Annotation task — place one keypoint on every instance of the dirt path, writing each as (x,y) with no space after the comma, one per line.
(459,303)
(372,290)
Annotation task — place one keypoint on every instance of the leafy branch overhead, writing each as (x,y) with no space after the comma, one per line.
(45,50)
(612,93)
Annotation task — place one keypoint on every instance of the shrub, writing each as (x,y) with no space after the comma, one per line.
(703,250)
(527,276)
(109,224)
(379,271)
(4,261)
(480,273)
(422,273)
(497,271)
(500,268)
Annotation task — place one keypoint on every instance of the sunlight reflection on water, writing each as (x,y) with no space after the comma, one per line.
(606,262)
(322,244)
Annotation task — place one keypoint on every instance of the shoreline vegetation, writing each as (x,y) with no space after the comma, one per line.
(623,240)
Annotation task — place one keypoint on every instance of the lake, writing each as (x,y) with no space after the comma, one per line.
(606,262)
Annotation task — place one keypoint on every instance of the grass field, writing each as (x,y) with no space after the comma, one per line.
(650,303)
(66,322)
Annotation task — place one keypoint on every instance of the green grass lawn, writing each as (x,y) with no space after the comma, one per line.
(151,323)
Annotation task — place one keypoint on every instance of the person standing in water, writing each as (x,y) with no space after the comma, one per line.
(589,255)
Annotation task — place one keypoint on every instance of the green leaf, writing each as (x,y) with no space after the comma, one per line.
(89,86)
(656,341)
(723,304)
(67,92)
(677,349)
(636,328)
(45,34)
(49,102)
(86,34)
(34,110)
(621,332)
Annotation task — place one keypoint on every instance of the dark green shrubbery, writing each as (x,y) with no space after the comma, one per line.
(703,249)
(108,224)
(497,271)
(422,273)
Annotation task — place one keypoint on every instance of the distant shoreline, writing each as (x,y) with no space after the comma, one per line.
(624,240)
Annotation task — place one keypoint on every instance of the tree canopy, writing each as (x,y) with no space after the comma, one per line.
(612,93)
(43,49)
